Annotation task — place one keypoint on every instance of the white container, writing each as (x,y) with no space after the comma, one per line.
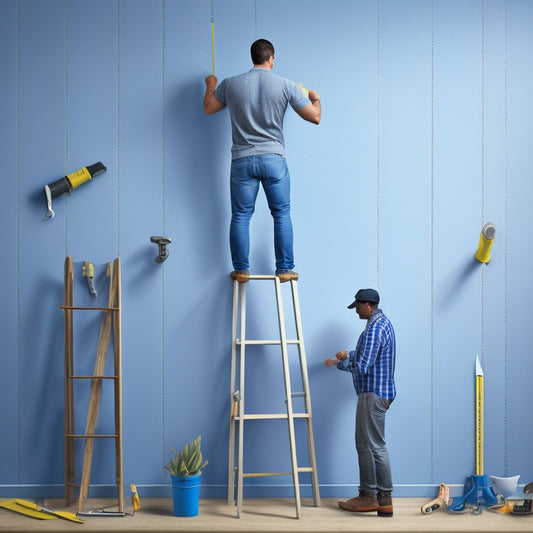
(506,486)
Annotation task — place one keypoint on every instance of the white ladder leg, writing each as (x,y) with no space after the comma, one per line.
(240,460)
(288,394)
(232,422)
(307,395)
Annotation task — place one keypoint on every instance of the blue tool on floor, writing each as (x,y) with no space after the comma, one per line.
(477,492)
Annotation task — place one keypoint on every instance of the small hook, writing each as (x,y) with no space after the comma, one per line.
(162,244)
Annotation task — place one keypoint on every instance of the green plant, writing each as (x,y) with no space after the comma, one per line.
(188,462)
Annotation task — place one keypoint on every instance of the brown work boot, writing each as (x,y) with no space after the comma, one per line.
(286,275)
(242,276)
(384,503)
(364,503)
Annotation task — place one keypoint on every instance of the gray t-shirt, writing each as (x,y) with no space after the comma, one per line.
(257,101)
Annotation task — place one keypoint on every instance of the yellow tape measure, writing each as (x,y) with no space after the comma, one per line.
(479,418)
(213,47)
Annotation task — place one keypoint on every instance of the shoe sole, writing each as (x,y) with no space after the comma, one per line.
(382,510)
(369,509)
(241,278)
(284,279)
(385,510)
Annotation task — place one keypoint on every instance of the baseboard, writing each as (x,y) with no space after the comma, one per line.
(220,491)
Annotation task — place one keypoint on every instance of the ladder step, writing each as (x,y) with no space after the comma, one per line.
(265,474)
(259,342)
(263,276)
(272,416)
(84,436)
(267,276)
(93,377)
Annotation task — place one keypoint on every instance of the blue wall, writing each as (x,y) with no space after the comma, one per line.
(426,135)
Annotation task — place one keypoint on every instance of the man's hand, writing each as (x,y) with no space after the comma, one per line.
(312,112)
(314,96)
(341,356)
(211,81)
(211,104)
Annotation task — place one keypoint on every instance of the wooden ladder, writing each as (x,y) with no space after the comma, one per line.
(111,324)
(237,412)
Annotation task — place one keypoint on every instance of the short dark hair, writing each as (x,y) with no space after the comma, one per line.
(261,50)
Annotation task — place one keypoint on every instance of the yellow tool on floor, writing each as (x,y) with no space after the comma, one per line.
(57,514)
(12,505)
(135,500)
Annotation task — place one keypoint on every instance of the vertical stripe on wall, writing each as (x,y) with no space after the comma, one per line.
(18,304)
(505,257)
(482,172)
(163,223)
(255,19)
(432,254)
(118,131)
(378,140)
(65,204)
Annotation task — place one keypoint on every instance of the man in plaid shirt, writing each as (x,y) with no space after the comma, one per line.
(372,366)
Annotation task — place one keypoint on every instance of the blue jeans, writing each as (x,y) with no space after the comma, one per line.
(374,465)
(246,174)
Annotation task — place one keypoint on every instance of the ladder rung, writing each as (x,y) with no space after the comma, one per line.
(73,308)
(263,416)
(274,416)
(264,474)
(277,342)
(83,436)
(92,377)
(266,276)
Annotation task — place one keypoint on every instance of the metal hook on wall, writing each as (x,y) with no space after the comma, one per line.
(162,245)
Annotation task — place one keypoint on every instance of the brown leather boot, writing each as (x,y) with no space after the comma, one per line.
(364,503)
(384,503)
(242,276)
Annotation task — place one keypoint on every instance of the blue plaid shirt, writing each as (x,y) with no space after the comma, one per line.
(372,362)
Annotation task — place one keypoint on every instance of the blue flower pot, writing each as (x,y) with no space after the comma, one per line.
(185,494)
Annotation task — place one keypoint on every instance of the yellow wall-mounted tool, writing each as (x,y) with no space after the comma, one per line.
(70,182)
(486,240)
(88,272)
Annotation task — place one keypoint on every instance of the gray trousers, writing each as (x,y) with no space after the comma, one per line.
(374,464)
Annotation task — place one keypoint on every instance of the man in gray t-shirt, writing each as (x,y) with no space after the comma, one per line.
(257,101)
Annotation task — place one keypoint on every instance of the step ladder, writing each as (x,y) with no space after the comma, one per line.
(238,416)
(109,327)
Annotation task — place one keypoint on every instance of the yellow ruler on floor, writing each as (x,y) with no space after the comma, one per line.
(12,505)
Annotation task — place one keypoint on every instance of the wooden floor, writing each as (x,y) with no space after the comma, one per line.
(276,515)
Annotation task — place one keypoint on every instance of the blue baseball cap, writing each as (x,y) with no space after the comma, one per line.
(365,295)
